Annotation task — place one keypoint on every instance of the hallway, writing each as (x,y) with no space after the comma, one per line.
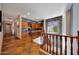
(15,46)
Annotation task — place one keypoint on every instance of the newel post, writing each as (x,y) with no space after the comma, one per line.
(78,41)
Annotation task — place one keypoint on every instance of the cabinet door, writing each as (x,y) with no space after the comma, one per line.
(33,25)
(29,24)
(37,26)
(41,25)
(24,24)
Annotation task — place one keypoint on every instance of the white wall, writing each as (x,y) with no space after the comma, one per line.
(13,28)
(44,24)
(1,38)
(75,24)
(75,18)
(75,28)
(1,33)
(68,22)
(9,21)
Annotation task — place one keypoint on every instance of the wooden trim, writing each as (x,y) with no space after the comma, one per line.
(50,43)
(71,46)
(61,45)
(56,44)
(53,44)
(65,45)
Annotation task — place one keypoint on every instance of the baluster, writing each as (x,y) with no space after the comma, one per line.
(42,35)
(60,45)
(53,44)
(56,44)
(44,41)
(65,45)
(71,45)
(50,43)
(47,41)
(78,42)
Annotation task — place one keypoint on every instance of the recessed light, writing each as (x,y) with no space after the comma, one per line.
(28,13)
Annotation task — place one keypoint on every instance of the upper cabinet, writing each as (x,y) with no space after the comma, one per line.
(37,25)
(33,25)
(24,24)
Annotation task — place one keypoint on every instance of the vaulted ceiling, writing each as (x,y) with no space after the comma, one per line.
(33,10)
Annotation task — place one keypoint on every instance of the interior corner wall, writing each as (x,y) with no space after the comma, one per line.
(74,27)
(75,18)
(74,24)
(63,29)
(68,22)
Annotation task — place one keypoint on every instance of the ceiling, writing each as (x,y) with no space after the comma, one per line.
(33,10)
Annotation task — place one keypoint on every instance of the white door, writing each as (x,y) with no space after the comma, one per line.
(8,29)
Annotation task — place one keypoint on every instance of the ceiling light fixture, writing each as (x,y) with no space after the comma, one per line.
(28,13)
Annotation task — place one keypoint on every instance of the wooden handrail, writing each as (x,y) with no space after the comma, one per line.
(60,35)
(48,46)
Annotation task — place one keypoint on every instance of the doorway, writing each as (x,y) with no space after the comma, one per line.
(8,29)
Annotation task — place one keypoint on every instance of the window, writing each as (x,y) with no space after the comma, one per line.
(54,25)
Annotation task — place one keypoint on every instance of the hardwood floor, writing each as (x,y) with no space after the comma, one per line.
(15,46)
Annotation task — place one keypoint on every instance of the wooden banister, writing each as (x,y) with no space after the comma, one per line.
(63,35)
(49,44)
(65,45)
